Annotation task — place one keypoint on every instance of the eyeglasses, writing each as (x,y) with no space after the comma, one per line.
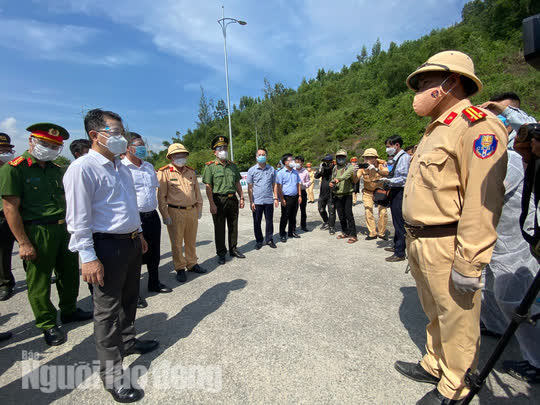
(113,131)
(218,148)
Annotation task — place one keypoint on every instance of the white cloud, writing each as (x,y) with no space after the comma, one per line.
(41,40)
(19,137)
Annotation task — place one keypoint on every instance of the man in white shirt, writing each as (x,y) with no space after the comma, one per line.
(105,227)
(146,184)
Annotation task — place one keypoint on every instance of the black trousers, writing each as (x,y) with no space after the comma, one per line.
(346,218)
(268,211)
(115,304)
(151,226)
(227,212)
(396,207)
(288,215)
(7,281)
(303,205)
(329,217)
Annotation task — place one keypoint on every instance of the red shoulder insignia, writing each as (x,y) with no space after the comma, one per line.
(17,161)
(29,160)
(448,120)
(209,163)
(474,114)
(162,168)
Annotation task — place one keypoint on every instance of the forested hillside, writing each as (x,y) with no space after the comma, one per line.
(368,100)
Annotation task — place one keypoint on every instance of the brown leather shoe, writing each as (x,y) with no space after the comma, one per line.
(395,258)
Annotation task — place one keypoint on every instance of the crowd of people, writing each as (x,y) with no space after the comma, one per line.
(454,199)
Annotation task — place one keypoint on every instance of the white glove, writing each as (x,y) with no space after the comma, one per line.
(167,221)
(371,167)
(200,214)
(356,167)
(384,180)
(464,284)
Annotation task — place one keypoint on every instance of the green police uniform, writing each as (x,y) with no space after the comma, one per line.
(43,209)
(222,179)
(7,281)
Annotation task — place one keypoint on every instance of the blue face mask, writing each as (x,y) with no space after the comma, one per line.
(141,152)
(261,159)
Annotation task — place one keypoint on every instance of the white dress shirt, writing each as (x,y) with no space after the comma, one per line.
(100,197)
(146,184)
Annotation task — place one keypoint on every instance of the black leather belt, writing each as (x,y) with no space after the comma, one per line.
(182,208)
(431,231)
(226,195)
(45,222)
(101,236)
(147,214)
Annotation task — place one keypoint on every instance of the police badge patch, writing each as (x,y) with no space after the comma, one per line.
(485,145)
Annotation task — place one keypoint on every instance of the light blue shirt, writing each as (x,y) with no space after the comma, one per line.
(402,169)
(289,181)
(263,181)
(516,118)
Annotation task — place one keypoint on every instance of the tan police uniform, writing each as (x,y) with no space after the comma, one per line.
(310,195)
(452,202)
(180,199)
(371,182)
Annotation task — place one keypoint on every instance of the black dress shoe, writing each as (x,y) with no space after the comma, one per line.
(5,336)
(304,228)
(6,293)
(295,235)
(436,398)
(126,395)
(384,237)
(221,260)
(159,288)
(332,231)
(389,249)
(197,269)
(371,237)
(258,246)
(78,316)
(415,372)
(324,226)
(271,244)
(181,275)
(141,302)
(141,347)
(236,253)
(54,336)
(283,239)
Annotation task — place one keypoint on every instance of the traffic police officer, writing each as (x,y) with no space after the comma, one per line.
(35,208)
(354,161)
(310,195)
(376,170)
(222,180)
(452,202)
(180,203)
(7,281)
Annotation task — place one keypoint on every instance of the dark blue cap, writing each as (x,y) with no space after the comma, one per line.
(328,157)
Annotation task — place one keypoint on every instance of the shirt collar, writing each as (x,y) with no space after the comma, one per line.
(100,158)
(454,110)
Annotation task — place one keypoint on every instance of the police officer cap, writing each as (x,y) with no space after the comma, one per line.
(328,157)
(5,140)
(49,132)
(220,140)
(176,148)
(354,159)
(370,152)
(341,152)
(448,61)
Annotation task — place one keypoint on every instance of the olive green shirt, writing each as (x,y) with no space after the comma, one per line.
(222,178)
(40,189)
(344,175)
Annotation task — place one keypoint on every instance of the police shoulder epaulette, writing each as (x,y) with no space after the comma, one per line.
(209,163)
(188,167)
(474,114)
(163,168)
(17,161)
(56,164)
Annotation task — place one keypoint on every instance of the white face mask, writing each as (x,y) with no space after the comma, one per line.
(223,154)
(180,161)
(44,153)
(116,144)
(292,165)
(6,156)
(390,151)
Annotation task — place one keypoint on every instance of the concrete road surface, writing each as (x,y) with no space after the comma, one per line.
(315,321)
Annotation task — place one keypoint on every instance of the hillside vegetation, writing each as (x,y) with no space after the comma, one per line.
(368,100)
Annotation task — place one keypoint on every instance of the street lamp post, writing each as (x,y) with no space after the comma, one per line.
(224,22)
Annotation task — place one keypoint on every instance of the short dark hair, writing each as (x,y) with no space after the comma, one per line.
(132,137)
(94,119)
(408,148)
(265,151)
(300,158)
(78,145)
(286,156)
(509,95)
(394,139)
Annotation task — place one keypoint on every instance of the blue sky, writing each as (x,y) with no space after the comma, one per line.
(146,59)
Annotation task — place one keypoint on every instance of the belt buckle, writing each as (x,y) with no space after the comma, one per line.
(188,208)
(61,221)
(134,234)
(230,195)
